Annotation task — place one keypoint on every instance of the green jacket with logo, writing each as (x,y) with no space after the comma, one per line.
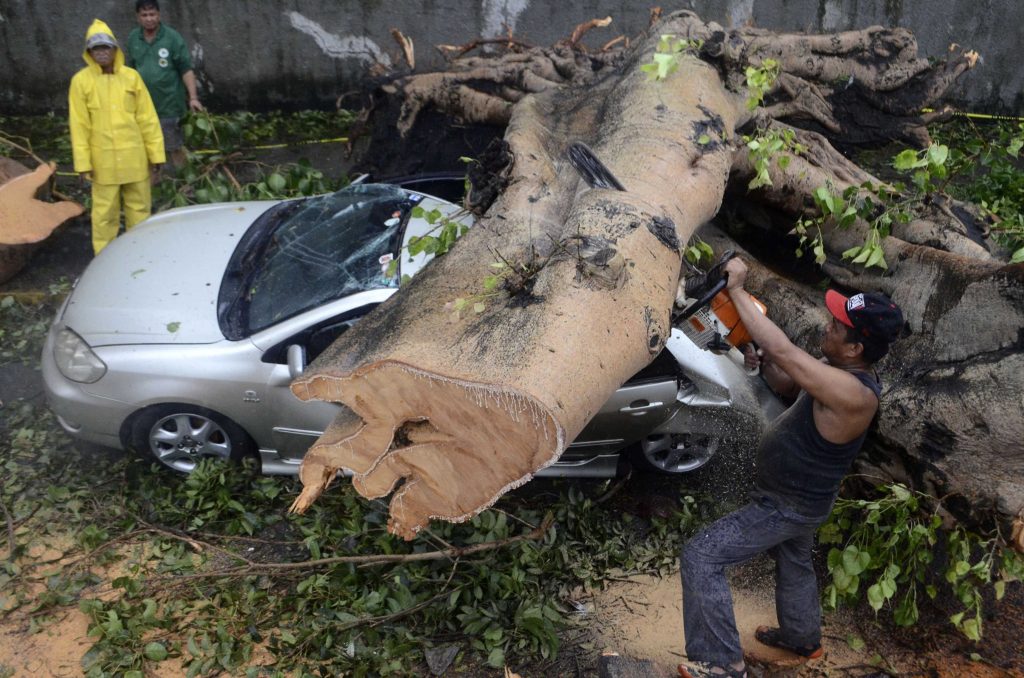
(161,65)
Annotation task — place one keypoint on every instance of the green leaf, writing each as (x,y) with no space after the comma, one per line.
(703,140)
(819,255)
(173,327)
(276,182)
(496,658)
(666,64)
(875,597)
(856,643)
(907,160)
(972,629)
(877,258)
(392,269)
(888,587)
(956,619)
(937,154)
(852,563)
(155,652)
(1000,589)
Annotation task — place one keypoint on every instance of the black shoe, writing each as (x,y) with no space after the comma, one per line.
(768,635)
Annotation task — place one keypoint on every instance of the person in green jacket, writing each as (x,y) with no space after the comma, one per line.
(116,141)
(161,56)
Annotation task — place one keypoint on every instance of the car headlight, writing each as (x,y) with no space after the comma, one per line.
(75,359)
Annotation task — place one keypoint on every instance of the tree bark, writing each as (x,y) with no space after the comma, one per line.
(446,414)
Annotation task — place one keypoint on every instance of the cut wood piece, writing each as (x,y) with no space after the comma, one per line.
(23,217)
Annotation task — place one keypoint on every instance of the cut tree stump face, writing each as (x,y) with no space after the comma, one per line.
(24,219)
(401,443)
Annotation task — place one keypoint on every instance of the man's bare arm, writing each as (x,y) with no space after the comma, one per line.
(189,78)
(834,389)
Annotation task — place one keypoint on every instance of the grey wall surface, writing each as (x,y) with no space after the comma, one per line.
(305,53)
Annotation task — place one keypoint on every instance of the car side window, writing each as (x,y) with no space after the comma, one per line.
(317,338)
(322,338)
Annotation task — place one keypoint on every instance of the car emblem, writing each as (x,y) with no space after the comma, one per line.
(250,397)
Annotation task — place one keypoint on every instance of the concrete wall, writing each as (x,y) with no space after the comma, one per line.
(305,53)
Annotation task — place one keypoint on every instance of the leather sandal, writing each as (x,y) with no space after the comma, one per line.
(772,637)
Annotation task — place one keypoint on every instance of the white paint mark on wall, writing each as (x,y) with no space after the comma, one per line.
(500,16)
(198,54)
(833,17)
(339,47)
(741,12)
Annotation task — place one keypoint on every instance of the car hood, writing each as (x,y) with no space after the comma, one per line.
(158,283)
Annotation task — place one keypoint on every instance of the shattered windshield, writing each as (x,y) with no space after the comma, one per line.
(323,249)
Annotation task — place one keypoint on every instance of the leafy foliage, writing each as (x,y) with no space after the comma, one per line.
(769,145)
(232,131)
(880,205)
(760,80)
(667,54)
(448,229)
(985,168)
(891,548)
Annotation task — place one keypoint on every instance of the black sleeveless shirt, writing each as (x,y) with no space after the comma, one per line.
(798,468)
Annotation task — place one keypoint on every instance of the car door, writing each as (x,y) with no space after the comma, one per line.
(636,408)
(296,424)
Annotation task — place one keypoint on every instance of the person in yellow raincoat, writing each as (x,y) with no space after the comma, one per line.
(115,135)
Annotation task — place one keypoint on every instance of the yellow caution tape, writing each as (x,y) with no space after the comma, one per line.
(209,151)
(979,116)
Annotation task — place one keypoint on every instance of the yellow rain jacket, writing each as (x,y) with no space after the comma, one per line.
(115,132)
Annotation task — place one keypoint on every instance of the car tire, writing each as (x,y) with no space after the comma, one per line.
(178,436)
(674,453)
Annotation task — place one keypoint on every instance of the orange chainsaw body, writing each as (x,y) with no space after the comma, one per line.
(719,319)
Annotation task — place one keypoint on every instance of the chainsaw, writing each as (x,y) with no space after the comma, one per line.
(709,318)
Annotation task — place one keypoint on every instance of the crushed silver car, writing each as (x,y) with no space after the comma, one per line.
(180,339)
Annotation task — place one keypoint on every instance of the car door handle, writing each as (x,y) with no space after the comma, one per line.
(636,409)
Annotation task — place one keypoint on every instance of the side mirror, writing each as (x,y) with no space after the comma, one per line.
(296,360)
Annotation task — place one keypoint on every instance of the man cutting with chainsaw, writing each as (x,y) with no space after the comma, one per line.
(801,460)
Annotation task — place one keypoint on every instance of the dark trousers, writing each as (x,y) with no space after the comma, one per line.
(708,618)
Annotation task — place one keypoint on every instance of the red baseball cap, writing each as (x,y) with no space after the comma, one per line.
(874,316)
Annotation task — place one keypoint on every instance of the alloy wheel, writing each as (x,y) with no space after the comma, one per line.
(679,452)
(182,440)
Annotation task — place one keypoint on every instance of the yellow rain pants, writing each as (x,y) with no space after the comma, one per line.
(106,209)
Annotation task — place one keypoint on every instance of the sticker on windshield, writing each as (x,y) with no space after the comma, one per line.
(385,263)
(415,198)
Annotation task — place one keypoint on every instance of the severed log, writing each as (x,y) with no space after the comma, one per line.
(24,218)
(447,414)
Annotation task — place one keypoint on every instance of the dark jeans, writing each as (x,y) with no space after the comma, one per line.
(760,526)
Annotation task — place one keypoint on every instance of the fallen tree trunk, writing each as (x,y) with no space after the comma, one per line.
(447,414)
